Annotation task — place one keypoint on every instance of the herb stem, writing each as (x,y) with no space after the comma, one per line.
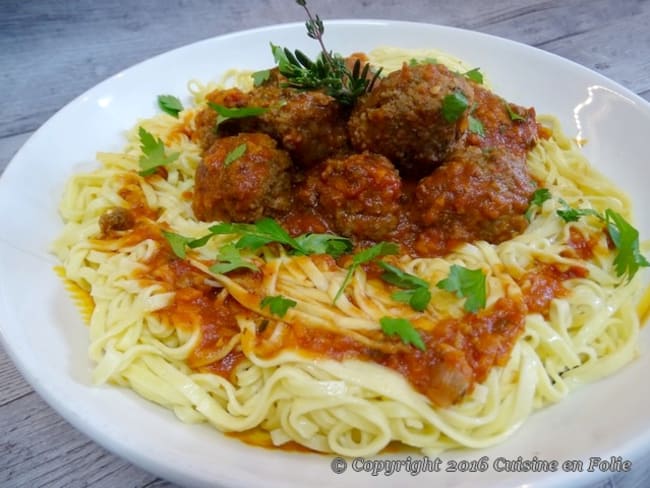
(317,30)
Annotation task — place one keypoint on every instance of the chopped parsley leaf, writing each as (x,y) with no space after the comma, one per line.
(403,328)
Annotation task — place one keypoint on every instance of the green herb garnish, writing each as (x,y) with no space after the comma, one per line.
(626,239)
(267,231)
(254,236)
(428,60)
(466,283)
(537,200)
(225,113)
(475,75)
(395,276)
(278,305)
(416,291)
(365,256)
(453,106)
(328,71)
(177,242)
(229,259)
(170,105)
(513,115)
(404,329)
(570,214)
(153,153)
(573,214)
(417,298)
(234,155)
(259,77)
(475,126)
(324,244)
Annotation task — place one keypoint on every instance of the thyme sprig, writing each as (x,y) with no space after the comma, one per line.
(328,71)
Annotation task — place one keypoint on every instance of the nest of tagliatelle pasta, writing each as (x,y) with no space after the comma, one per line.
(408,259)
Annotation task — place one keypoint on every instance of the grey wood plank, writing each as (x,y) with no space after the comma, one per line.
(38,463)
(624,60)
(13,384)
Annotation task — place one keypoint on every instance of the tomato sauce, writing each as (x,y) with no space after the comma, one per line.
(545,283)
(583,247)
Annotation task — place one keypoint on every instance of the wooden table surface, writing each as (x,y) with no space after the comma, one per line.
(51,51)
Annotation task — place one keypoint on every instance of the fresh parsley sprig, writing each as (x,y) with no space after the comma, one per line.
(539,197)
(230,259)
(403,328)
(264,231)
(365,256)
(514,116)
(628,259)
(570,214)
(267,231)
(226,113)
(416,291)
(324,244)
(474,75)
(177,243)
(626,239)
(254,236)
(170,105)
(153,153)
(278,305)
(466,283)
(454,105)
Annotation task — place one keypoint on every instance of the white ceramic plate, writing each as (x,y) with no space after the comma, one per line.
(45,337)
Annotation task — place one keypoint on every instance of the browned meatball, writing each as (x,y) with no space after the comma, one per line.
(475,195)
(309,124)
(403,117)
(254,185)
(205,123)
(358,195)
(505,124)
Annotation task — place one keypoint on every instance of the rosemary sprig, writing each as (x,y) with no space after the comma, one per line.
(328,71)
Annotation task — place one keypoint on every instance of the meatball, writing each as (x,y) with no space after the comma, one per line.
(403,117)
(475,195)
(309,124)
(205,123)
(245,188)
(504,124)
(359,195)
